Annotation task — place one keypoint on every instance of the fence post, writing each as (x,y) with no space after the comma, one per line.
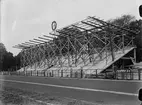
(52,73)
(126,74)
(122,76)
(25,73)
(31,73)
(81,73)
(37,73)
(70,73)
(96,74)
(132,75)
(8,72)
(105,75)
(58,73)
(139,74)
(61,73)
(129,74)
(44,73)
(117,73)
(76,74)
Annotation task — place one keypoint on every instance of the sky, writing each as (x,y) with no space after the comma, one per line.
(24,20)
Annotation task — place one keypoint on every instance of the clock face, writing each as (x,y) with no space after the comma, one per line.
(54,25)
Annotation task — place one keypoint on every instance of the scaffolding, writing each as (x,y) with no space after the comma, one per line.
(87,44)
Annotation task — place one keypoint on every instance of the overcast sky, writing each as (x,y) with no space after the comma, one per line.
(23,20)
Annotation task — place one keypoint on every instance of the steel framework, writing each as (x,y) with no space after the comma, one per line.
(79,45)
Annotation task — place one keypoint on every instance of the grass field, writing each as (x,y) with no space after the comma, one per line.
(16,96)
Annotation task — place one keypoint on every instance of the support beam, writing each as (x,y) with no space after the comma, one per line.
(18,47)
(92,25)
(57,35)
(41,40)
(48,36)
(30,43)
(27,44)
(34,41)
(22,45)
(79,27)
(44,38)
(126,58)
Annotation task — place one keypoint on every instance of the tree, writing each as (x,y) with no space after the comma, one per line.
(123,21)
(2,52)
(7,60)
(129,22)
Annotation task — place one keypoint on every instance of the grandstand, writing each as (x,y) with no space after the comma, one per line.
(89,45)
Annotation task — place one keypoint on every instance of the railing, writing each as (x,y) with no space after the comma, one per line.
(78,73)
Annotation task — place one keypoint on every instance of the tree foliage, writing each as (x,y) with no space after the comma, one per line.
(130,22)
(7,60)
(2,52)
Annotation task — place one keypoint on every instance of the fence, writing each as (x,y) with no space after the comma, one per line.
(119,74)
